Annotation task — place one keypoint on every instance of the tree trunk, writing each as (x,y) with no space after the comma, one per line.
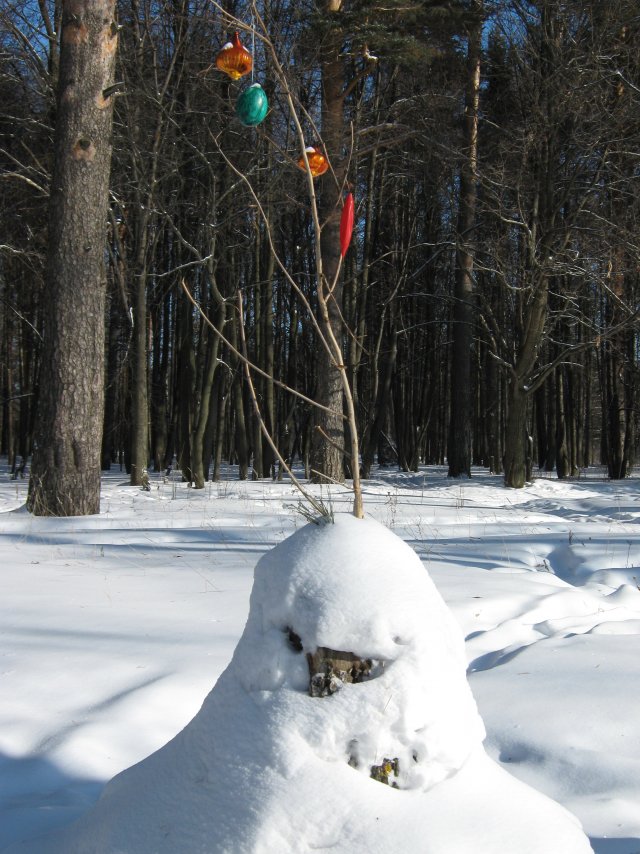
(139,380)
(381,405)
(236,392)
(327,451)
(551,424)
(65,477)
(111,386)
(493,416)
(462,402)
(540,403)
(223,392)
(184,402)
(202,419)
(160,387)
(517,439)
(563,467)
(269,397)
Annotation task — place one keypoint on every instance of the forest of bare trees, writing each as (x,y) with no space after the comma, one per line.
(486,312)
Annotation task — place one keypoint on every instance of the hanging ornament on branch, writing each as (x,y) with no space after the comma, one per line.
(234,59)
(252,105)
(318,163)
(346,224)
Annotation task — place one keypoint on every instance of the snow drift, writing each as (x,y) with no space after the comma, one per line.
(391,761)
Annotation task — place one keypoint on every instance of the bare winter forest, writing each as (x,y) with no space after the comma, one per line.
(169,266)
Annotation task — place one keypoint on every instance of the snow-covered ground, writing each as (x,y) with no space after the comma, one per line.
(113,629)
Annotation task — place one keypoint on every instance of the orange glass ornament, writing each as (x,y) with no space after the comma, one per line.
(318,163)
(234,59)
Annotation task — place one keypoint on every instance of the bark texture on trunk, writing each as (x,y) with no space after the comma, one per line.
(516,450)
(327,451)
(462,401)
(139,373)
(65,476)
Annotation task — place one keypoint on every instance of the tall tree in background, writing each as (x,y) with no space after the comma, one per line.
(617,353)
(545,188)
(328,437)
(347,31)
(65,477)
(462,401)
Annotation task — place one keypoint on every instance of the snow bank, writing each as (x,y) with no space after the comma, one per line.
(391,763)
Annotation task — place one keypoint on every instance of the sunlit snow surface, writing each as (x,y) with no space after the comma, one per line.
(114,629)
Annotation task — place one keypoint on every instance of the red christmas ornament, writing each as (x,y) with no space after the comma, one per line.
(346,224)
(234,59)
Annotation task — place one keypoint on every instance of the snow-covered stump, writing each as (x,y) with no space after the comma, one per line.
(350,674)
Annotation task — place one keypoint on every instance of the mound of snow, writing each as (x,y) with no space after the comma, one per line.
(391,761)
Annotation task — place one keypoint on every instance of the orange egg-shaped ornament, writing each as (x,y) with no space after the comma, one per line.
(234,59)
(318,163)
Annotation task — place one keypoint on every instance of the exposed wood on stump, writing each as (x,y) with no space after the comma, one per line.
(330,669)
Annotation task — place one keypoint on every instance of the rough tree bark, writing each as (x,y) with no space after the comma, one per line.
(462,402)
(65,476)
(327,451)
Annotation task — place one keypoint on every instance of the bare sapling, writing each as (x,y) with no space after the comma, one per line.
(324,289)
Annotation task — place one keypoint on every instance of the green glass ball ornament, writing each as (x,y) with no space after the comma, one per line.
(252,105)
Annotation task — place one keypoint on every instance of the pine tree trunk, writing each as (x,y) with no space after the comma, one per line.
(562,452)
(327,452)
(186,387)
(111,386)
(160,389)
(269,397)
(65,476)
(462,408)
(139,378)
